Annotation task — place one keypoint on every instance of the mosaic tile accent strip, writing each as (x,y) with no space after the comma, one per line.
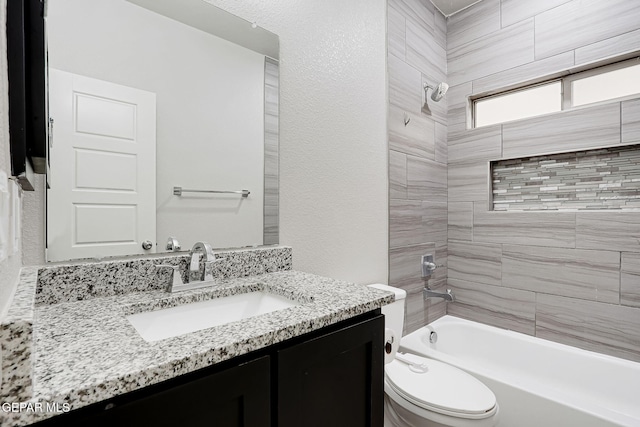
(602,179)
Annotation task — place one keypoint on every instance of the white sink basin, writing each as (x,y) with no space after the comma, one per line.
(183,319)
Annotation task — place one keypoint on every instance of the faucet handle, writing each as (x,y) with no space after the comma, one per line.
(428,265)
(173,245)
(175,271)
(208,267)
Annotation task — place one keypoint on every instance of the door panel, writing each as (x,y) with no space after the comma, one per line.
(105,117)
(93,170)
(118,224)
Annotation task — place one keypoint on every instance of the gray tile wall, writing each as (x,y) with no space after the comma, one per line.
(417,154)
(572,277)
(271,142)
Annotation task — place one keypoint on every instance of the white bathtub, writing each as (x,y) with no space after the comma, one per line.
(538,383)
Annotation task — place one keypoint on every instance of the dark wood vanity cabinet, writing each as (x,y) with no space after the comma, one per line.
(331,377)
(333,380)
(235,396)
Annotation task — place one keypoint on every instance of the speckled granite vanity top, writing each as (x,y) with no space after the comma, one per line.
(87,351)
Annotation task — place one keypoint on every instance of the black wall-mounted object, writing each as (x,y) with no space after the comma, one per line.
(26,57)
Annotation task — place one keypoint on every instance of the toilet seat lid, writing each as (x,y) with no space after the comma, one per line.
(443,388)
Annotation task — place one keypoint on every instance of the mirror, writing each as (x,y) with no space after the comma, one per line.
(163,112)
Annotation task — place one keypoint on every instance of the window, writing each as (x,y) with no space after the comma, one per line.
(605,83)
(587,88)
(528,102)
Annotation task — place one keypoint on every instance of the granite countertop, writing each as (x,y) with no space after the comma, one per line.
(87,351)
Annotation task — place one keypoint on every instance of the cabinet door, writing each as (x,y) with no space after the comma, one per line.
(235,397)
(334,380)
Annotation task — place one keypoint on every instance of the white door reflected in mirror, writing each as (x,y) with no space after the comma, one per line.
(103,181)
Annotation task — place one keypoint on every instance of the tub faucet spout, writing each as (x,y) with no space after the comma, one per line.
(447,296)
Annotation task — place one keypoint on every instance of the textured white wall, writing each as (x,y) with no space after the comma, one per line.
(333,149)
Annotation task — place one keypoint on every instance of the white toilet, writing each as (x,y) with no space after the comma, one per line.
(422,392)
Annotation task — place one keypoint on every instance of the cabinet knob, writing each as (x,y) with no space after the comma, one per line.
(146,245)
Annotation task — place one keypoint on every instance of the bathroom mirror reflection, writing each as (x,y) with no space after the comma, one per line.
(149,95)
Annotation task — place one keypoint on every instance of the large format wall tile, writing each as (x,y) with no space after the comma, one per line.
(593,275)
(579,23)
(395,33)
(472,23)
(483,143)
(413,222)
(405,85)
(405,223)
(460,220)
(613,46)
(416,307)
(565,131)
(426,180)
(615,231)
(397,175)
(631,121)
(606,328)
(553,229)
(475,262)
(271,214)
(527,73)
(630,262)
(441,143)
(458,101)
(630,289)
(416,137)
(516,10)
(468,181)
(494,305)
(434,222)
(418,10)
(425,55)
(630,279)
(498,51)
(440,24)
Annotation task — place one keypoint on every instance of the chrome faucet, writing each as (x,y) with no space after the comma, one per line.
(201,250)
(448,296)
(428,268)
(198,251)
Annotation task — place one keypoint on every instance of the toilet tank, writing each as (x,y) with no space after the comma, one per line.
(394,312)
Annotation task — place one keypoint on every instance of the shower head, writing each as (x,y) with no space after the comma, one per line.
(438,91)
